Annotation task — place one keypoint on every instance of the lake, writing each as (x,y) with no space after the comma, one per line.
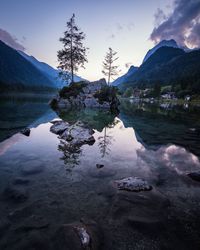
(42,187)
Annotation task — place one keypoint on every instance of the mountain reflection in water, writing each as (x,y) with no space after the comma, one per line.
(150,142)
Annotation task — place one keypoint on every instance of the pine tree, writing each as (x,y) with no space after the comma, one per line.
(109,69)
(73,55)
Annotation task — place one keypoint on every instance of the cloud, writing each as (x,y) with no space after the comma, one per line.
(111,36)
(183,24)
(130,26)
(159,17)
(11,40)
(119,27)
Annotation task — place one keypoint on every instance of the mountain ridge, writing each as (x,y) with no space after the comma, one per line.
(16,71)
(49,71)
(168,66)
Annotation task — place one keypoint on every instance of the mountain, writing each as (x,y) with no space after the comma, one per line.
(17,73)
(153,64)
(123,78)
(51,73)
(168,66)
(165,43)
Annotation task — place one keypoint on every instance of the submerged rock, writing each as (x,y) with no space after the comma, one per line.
(133,184)
(83,235)
(99,165)
(32,169)
(26,131)
(33,223)
(59,127)
(195,175)
(78,236)
(15,194)
(4,225)
(20,181)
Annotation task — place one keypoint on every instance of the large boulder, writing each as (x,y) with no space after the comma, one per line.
(59,127)
(78,236)
(195,176)
(84,94)
(78,134)
(133,184)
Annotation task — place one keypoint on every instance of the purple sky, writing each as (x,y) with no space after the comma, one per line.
(124,25)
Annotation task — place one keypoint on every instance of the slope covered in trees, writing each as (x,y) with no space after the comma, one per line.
(16,73)
(168,66)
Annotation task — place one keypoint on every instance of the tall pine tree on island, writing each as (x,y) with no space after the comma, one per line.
(73,55)
(109,69)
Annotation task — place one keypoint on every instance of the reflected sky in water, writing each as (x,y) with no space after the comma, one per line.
(67,190)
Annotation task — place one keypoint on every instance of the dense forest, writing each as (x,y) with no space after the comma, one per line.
(169,66)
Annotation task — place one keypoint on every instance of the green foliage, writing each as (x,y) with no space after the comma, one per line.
(169,66)
(17,73)
(106,94)
(183,93)
(6,88)
(156,90)
(53,103)
(166,89)
(109,69)
(73,55)
(128,92)
(74,89)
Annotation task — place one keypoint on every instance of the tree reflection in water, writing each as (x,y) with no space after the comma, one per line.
(99,120)
(71,154)
(105,141)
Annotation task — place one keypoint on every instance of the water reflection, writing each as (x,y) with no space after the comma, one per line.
(105,143)
(99,120)
(156,125)
(71,154)
(95,118)
(153,143)
(18,112)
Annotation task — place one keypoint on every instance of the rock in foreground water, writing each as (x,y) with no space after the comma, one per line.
(14,194)
(133,184)
(195,175)
(59,127)
(78,236)
(76,134)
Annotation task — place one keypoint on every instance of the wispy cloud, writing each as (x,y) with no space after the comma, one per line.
(183,24)
(11,41)
(118,28)
(130,26)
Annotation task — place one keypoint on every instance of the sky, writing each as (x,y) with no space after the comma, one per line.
(130,27)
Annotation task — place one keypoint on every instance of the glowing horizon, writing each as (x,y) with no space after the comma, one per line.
(126,26)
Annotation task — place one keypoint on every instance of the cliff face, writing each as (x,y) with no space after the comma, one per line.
(87,94)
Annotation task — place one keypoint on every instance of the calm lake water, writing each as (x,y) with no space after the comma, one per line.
(159,143)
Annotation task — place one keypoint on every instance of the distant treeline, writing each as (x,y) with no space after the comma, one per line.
(6,88)
(169,66)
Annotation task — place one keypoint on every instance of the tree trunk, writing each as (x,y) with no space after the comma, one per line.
(109,79)
(72,67)
(71,57)
(109,75)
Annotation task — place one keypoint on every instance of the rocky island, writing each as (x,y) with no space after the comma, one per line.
(82,94)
